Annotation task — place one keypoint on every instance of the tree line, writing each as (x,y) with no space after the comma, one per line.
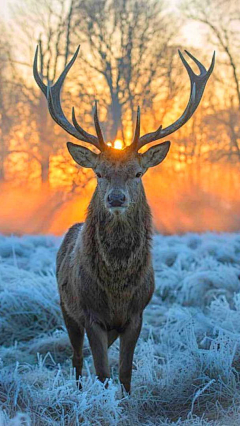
(128,57)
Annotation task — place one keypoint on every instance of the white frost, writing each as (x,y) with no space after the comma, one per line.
(187,361)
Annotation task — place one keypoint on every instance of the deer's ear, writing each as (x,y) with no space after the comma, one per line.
(155,155)
(83,156)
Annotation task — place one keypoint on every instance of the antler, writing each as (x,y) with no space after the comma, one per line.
(198,83)
(52,94)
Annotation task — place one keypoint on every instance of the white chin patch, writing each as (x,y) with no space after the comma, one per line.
(117,210)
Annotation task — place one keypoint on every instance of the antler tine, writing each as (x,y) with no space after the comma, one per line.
(36,75)
(102,144)
(98,128)
(134,144)
(201,67)
(53,95)
(77,126)
(198,83)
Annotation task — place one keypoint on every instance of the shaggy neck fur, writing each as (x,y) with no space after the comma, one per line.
(117,245)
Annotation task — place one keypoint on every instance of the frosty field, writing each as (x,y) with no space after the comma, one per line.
(187,360)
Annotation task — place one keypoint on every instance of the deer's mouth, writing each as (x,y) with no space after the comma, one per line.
(117,210)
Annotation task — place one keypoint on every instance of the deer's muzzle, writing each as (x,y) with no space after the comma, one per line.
(116,198)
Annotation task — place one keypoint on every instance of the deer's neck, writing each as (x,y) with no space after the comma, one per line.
(118,241)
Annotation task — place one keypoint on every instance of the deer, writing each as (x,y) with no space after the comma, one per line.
(104,267)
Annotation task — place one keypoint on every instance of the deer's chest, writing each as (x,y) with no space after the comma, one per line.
(111,300)
(122,299)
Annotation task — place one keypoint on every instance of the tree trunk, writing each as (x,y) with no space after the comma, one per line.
(2,156)
(45,145)
(116,112)
(2,176)
(45,171)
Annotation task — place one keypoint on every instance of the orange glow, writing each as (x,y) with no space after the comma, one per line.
(118,144)
(185,193)
(188,200)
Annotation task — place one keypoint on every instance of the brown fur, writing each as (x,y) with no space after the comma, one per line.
(105,274)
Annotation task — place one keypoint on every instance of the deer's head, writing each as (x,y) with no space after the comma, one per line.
(119,172)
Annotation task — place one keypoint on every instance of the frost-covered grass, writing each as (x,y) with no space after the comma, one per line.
(187,361)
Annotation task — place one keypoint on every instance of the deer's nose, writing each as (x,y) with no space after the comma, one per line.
(116,199)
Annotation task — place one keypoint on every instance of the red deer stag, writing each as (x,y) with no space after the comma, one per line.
(104,268)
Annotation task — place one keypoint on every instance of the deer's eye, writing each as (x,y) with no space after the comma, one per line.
(98,175)
(138,175)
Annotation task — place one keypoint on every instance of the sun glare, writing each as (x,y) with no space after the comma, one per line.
(118,144)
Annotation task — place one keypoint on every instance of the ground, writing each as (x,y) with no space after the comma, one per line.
(187,360)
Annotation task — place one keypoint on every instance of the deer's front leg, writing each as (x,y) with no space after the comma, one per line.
(98,339)
(76,336)
(128,340)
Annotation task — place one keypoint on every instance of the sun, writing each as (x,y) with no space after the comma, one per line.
(118,144)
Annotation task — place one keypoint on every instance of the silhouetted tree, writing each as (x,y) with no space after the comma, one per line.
(128,51)
(221,19)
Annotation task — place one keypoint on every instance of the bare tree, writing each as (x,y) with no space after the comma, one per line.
(128,53)
(221,19)
(48,24)
(9,98)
